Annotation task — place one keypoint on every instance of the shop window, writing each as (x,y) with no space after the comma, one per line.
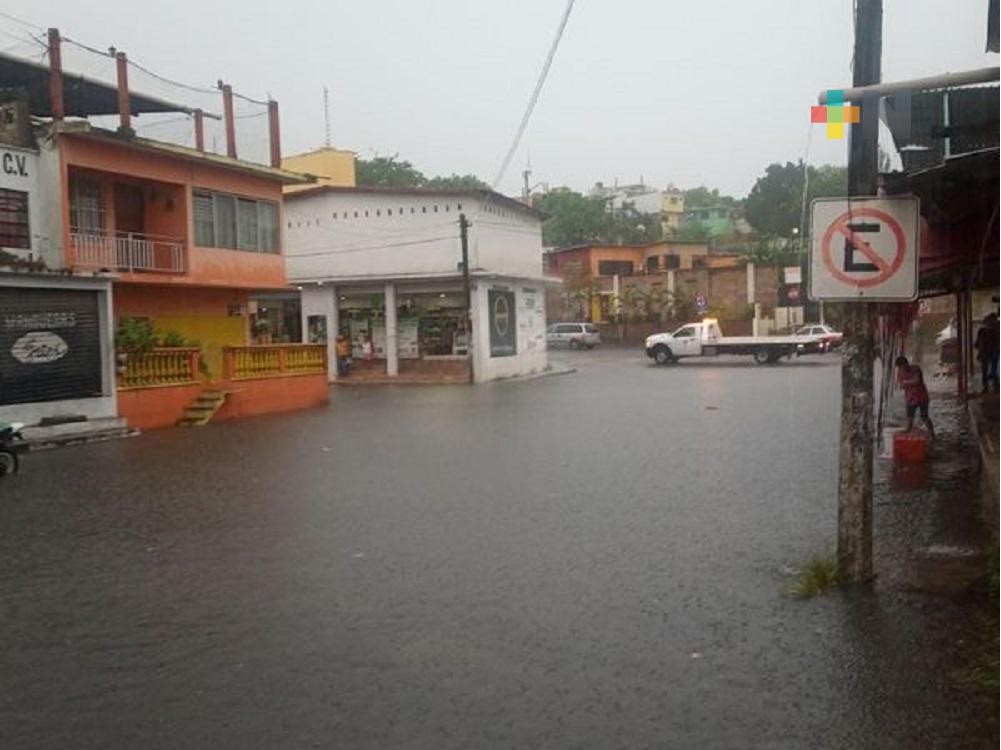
(14,230)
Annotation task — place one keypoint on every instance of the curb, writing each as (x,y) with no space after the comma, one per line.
(548,373)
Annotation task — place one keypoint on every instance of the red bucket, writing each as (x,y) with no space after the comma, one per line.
(910,447)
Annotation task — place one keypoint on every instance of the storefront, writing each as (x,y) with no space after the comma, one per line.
(427,333)
(55,348)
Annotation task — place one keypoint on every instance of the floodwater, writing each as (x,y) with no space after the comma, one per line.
(585,561)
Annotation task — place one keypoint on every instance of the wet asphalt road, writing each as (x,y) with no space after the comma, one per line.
(585,561)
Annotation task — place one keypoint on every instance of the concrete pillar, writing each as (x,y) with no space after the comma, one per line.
(756,323)
(392,353)
(751,291)
(322,301)
(670,283)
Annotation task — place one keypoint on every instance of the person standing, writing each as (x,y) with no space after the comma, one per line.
(986,347)
(911,379)
(343,354)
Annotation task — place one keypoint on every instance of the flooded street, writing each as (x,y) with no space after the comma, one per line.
(590,560)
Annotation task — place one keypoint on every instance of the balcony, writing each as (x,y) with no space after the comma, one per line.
(130,252)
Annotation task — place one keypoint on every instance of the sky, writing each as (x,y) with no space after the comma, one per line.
(687,93)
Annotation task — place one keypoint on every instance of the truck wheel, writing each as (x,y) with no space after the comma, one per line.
(762,356)
(662,355)
(8,463)
(574,344)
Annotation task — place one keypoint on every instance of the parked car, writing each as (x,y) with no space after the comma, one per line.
(829,338)
(573,335)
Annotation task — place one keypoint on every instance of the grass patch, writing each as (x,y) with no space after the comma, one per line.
(818,576)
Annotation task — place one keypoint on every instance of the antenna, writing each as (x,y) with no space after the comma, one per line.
(326,117)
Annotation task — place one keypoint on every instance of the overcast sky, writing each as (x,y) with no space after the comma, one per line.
(690,93)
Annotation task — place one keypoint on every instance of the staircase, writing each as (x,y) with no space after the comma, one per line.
(203,408)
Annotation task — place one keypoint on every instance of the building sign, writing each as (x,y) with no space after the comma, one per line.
(50,345)
(864,249)
(503,323)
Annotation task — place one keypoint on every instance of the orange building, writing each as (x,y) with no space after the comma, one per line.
(187,237)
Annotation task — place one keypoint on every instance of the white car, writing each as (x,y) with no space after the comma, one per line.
(573,335)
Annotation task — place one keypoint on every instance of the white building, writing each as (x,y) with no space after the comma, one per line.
(385,264)
(56,356)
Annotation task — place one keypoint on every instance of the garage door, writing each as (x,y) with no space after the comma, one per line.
(50,345)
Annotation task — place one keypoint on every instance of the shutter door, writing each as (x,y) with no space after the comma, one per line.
(50,345)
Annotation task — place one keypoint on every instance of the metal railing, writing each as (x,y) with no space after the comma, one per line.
(274,360)
(163,366)
(128,251)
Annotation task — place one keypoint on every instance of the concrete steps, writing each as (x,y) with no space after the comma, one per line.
(203,408)
(76,433)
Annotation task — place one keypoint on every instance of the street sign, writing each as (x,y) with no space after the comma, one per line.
(864,249)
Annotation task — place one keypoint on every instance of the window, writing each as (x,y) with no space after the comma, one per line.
(590,328)
(14,231)
(567,328)
(651,263)
(672,261)
(615,267)
(234,223)
(685,333)
(86,206)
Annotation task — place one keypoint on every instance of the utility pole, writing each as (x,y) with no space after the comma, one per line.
(464,236)
(856,454)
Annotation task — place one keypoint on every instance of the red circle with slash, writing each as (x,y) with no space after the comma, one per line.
(840,226)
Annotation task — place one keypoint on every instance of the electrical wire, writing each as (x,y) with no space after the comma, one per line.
(535,95)
(360,249)
(21,21)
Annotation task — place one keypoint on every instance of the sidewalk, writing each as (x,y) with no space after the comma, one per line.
(931,530)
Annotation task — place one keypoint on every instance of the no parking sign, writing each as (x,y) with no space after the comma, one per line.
(864,249)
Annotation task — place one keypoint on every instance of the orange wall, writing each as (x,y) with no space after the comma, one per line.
(111,162)
(152,408)
(152,302)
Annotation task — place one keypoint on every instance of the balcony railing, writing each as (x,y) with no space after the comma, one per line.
(166,366)
(129,251)
(274,360)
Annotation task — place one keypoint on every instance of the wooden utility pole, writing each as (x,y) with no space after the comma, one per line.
(856,455)
(464,236)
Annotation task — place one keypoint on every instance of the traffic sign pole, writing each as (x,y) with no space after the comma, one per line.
(856,447)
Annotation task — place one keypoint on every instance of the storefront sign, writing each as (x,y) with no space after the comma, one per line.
(50,345)
(503,323)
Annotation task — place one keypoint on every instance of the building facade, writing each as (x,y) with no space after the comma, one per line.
(123,233)
(383,266)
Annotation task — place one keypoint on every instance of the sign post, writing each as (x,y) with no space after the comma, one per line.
(864,249)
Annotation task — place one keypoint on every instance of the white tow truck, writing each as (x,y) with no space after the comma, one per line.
(705,339)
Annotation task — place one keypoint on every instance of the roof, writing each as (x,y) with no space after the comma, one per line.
(609,245)
(482,194)
(81,129)
(82,96)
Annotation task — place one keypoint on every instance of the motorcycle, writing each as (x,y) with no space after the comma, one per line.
(10,433)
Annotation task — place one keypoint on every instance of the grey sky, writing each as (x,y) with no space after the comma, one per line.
(692,93)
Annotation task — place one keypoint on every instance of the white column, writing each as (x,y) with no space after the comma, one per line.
(670,283)
(392,353)
(321,300)
(750,284)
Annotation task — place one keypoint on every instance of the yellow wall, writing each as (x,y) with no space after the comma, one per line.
(212,333)
(330,165)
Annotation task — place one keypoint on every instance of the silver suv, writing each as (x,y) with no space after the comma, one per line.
(573,335)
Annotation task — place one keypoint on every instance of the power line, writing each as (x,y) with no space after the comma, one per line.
(535,95)
(21,21)
(360,249)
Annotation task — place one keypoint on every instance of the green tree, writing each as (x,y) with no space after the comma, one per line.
(774,205)
(387,171)
(571,218)
(458,182)
(693,231)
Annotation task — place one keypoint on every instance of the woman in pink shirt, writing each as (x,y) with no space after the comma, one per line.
(909,378)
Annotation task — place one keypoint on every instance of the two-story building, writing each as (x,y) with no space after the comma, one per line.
(183,237)
(384,266)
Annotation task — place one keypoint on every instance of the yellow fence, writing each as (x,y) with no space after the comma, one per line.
(274,360)
(167,366)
